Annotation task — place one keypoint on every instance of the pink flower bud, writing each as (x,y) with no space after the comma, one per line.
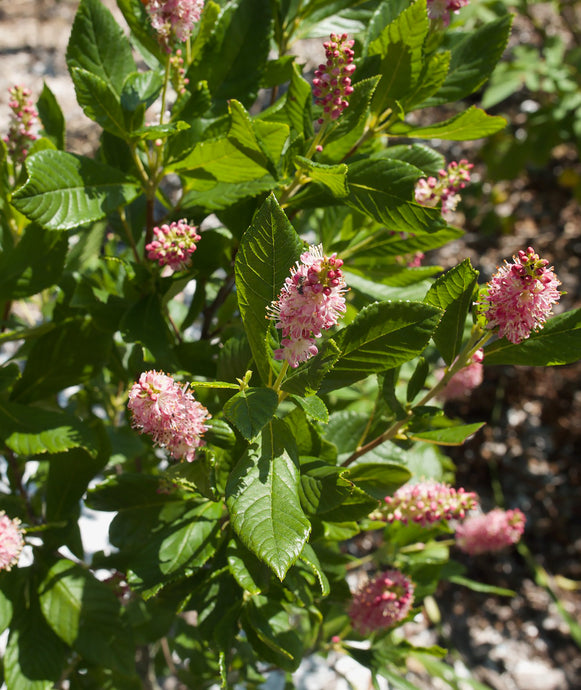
(382,602)
(491,531)
(520,296)
(310,301)
(332,80)
(173,245)
(168,413)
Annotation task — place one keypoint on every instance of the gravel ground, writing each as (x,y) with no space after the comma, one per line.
(529,453)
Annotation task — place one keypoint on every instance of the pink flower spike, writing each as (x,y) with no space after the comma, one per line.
(23,120)
(428,503)
(443,190)
(520,296)
(332,81)
(173,245)
(382,602)
(440,10)
(11,541)
(174,20)
(491,531)
(168,413)
(466,380)
(310,301)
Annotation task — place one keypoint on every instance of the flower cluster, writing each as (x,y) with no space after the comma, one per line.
(465,380)
(332,82)
(178,73)
(311,301)
(174,19)
(168,413)
(173,245)
(520,296)
(22,122)
(428,503)
(11,541)
(432,191)
(490,531)
(381,602)
(440,10)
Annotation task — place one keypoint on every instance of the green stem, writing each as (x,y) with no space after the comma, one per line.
(477,340)
(280,377)
(129,234)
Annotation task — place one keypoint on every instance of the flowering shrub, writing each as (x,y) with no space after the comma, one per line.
(297,318)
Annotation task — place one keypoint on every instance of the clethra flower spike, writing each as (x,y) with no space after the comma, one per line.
(168,413)
(310,301)
(23,120)
(173,20)
(382,602)
(444,189)
(440,10)
(466,380)
(332,81)
(173,245)
(491,531)
(520,296)
(11,541)
(428,503)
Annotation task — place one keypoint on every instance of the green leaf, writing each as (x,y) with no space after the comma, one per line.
(449,436)
(379,479)
(421,156)
(345,429)
(64,190)
(309,557)
(250,573)
(5,612)
(268,250)
(453,292)
(127,491)
(313,406)
(98,45)
(181,539)
(476,586)
(272,631)
(34,264)
(263,502)
(251,409)
(159,131)
(307,379)
(99,101)
(559,342)
(76,342)
(35,657)
(382,336)
(242,134)
(142,32)
(225,61)
(383,189)
(433,75)
(323,487)
(52,117)
(334,177)
(33,431)
(144,323)
(140,88)
(400,47)
(473,60)
(471,124)
(86,614)
(298,102)
(417,379)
